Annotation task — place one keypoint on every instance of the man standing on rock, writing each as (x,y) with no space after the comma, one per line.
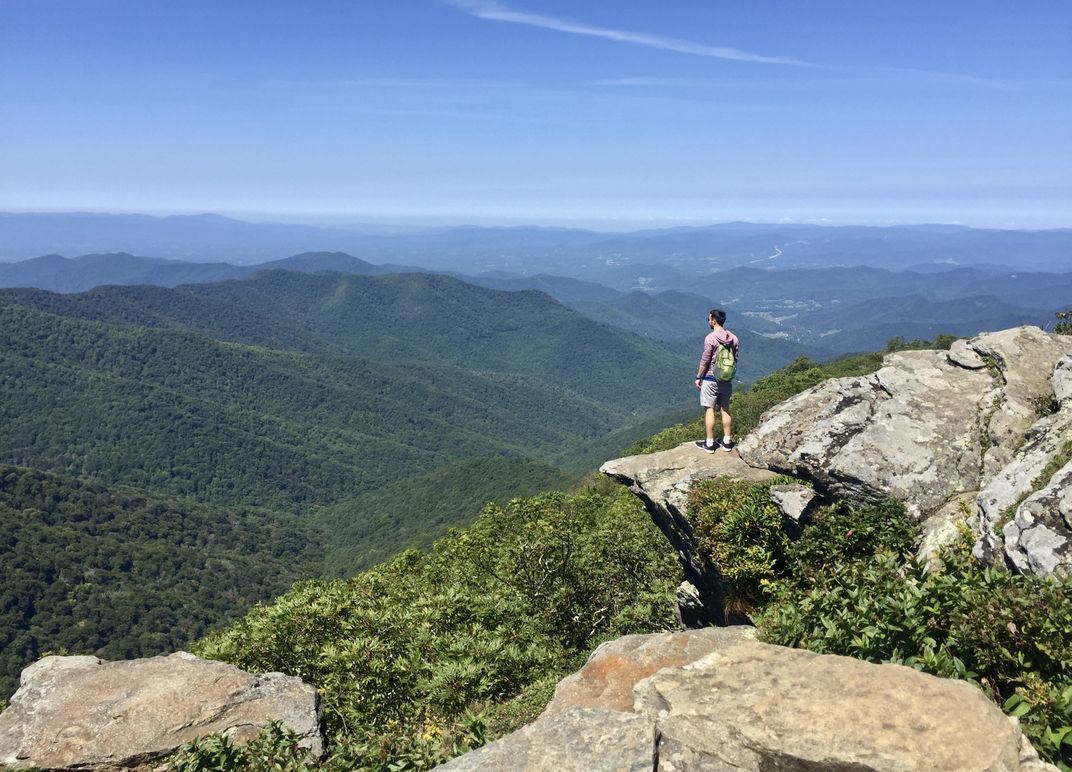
(712,390)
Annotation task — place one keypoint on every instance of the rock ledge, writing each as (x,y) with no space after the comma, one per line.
(83,713)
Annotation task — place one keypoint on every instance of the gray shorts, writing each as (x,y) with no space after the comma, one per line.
(715,393)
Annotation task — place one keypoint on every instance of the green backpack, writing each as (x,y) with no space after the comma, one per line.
(725,365)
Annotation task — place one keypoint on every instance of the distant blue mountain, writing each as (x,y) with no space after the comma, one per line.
(667,258)
(61,274)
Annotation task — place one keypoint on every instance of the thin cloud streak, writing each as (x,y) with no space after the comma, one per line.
(493,11)
(842,76)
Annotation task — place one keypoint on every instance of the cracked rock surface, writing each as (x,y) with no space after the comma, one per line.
(83,713)
(937,429)
(752,706)
(911,430)
(575,740)
(1039,538)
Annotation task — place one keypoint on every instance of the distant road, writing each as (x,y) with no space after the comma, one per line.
(777,253)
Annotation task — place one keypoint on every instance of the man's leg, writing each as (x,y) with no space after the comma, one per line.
(709,424)
(727,424)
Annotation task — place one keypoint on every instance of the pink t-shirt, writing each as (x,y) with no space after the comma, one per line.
(714,339)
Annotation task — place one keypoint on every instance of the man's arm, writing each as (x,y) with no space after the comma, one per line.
(705,360)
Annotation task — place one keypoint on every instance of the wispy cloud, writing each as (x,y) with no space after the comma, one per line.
(494,11)
(834,77)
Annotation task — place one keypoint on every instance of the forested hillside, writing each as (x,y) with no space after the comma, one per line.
(426,320)
(117,572)
(308,424)
(421,658)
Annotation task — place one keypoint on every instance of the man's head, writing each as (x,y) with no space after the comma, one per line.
(717,316)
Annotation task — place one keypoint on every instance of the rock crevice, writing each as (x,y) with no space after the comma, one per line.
(662,482)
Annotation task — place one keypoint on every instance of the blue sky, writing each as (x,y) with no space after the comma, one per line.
(603,114)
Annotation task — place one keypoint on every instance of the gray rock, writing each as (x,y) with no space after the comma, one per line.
(963,355)
(910,431)
(574,740)
(1039,538)
(945,527)
(758,707)
(607,679)
(82,713)
(1025,358)
(662,482)
(926,428)
(751,706)
(690,605)
(1062,380)
(1017,480)
(794,502)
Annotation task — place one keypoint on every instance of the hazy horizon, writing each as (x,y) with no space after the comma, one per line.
(607,225)
(497,112)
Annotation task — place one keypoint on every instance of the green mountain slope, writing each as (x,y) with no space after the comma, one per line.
(121,573)
(158,307)
(366,528)
(426,320)
(178,412)
(332,419)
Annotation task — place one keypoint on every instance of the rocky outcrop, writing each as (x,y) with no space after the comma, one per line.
(1025,358)
(998,502)
(613,669)
(911,430)
(752,706)
(1039,538)
(83,713)
(662,481)
(576,740)
(957,436)
(1023,512)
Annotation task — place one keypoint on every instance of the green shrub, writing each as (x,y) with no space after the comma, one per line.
(899,343)
(740,531)
(274,748)
(417,658)
(1063,326)
(842,535)
(863,595)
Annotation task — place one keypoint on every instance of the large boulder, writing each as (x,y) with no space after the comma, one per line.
(575,740)
(613,669)
(758,707)
(83,713)
(662,482)
(753,706)
(1025,358)
(927,428)
(910,430)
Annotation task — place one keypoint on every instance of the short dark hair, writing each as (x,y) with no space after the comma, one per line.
(718,315)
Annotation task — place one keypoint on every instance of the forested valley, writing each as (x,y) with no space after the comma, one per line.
(172,456)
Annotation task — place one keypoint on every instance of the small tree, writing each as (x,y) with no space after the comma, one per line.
(1064,322)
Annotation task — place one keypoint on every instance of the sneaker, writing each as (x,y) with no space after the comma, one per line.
(728,446)
(702,445)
